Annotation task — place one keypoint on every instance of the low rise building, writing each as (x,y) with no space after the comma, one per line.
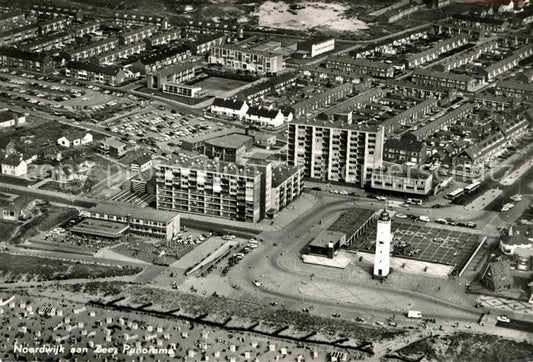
(136,35)
(162,58)
(49,42)
(118,53)
(162,38)
(204,44)
(322,99)
(92,49)
(417,59)
(435,124)
(16,58)
(112,147)
(405,149)
(125,19)
(514,89)
(258,90)
(435,78)
(316,46)
(497,275)
(360,66)
(252,60)
(265,117)
(229,148)
(75,139)
(172,75)
(394,178)
(141,163)
(53,25)
(105,74)
(141,220)
(478,22)
(10,119)
(231,108)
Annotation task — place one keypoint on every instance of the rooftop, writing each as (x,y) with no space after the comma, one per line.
(325,237)
(232,141)
(103,228)
(135,212)
(351,221)
(202,163)
(282,173)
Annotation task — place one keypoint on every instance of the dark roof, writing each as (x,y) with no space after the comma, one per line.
(124,209)
(165,53)
(142,159)
(474,18)
(21,54)
(309,42)
(350,221)
(499,272)
(207,38)
(232,141)
(13,159)
(95,68)
(21,29)
(325,237)
(404,143)
(8,115)
(228,103)
(263,112)
(282,173)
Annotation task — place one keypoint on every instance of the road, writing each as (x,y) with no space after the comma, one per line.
(277,265)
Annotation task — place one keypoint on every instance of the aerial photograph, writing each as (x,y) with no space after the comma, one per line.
(266,180)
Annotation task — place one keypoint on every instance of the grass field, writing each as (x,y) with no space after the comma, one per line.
(51,217)
(15,268)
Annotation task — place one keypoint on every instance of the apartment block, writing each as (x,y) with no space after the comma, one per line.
(247,59)
(287,185)
(121,52)
(207,187)
(49,42)
(335,151)
(204,44)
(431,54)
(163,58)
(163,38)
(514,89)
(53,24)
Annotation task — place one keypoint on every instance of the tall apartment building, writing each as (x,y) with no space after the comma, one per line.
(335,151)
(207,187)
(247,59)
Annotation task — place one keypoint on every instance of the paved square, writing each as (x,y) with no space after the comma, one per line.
(426,243)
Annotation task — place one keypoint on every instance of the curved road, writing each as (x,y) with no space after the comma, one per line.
(277,265)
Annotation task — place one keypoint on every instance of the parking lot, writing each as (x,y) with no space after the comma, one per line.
(159,129)
(426,243)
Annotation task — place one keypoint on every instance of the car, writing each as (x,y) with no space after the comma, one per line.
(436,206)
(424,218)
(471,225)
(441,221)
(503,319)
(460,223)
(381,198)
(401,216)
(256,283)
(316,188)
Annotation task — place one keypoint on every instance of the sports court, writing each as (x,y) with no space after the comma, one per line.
(426,243)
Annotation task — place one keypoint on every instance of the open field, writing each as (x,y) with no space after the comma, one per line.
(17,268)
(306,15)
(220,84)
(466,347)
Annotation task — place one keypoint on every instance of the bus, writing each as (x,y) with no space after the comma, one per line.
(414,201)
(447,182)
(473,186)
(455,194)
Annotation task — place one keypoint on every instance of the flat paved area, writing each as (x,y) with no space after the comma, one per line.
(515,175)
(482,201)
(197,254)
(427,243)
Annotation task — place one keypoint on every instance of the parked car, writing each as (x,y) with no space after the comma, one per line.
(503,319)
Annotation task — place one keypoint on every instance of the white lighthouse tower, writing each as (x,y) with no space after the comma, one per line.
(383,241)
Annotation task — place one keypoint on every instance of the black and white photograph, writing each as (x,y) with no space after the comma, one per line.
(266,180)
